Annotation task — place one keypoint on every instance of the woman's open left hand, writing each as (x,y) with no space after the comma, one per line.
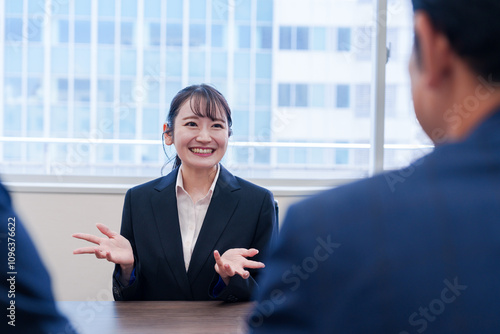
(114,247)
(234,261)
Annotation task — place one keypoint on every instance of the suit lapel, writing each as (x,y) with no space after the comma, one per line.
(164,203)
(220,210)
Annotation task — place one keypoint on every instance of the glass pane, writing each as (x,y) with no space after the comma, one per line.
(263,94)
(174,34)
(285,38)
(241,65)
(82,31)
(13,60)
(13,90)
(106,8)
(127,33)
(63,31)
(174,9)
(197,9)
(81,122)
(129,8)
(127,123)
(106,32)
(12,119)
(219,64)
(13,7)
(35,121)
(152,9)
(128,62)
(242,10)
(197,64)
(344,39)
(284,95)
(174,63)
(343,96)
(265,10)
(263,64)
(105,90)
(59,60)
(362,101)
(59,122)
(301,95)
(302,38)
(240,124)
(82,90)
(82,60)
(220,9)
(317,96)
(151,129)
(264,37)
(106,63)
(243,37)
(219,35)
(35,59)
(154,33)
(197,35)
(35,90)
(13,30)
(318,39)
(82,8)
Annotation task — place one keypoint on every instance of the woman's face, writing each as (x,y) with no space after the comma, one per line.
(200,142)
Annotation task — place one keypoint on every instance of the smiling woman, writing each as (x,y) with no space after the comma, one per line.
(171,226)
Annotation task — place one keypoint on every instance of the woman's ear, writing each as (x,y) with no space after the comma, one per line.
(167,135)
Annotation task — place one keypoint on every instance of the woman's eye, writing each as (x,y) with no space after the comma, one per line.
(190,124)
(219,126)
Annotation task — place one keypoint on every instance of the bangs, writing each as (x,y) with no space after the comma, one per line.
(207,103)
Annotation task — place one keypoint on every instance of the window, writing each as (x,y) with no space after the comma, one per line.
(302,38)
(106,32)
(344,39)
(362,100)
(285,38)
(174,35)
(197,35)
(301,85)
(343,99)
(264,37)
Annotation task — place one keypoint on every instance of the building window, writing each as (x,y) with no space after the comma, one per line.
(362,101)
(344,39)
(343,96)
(285,38)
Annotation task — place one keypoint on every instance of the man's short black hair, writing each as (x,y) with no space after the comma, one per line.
(473,29)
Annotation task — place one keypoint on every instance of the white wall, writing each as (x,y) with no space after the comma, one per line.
(51,219)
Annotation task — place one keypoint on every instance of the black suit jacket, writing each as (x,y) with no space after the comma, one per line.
(240,215)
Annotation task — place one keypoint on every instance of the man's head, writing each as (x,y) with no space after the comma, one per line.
(456,41)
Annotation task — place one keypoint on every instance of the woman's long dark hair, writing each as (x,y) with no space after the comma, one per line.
(205,101)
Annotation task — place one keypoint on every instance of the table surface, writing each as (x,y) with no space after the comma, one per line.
(96,317)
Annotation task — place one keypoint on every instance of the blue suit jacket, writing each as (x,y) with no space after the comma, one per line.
(409,251)
(29,286)
(240,215)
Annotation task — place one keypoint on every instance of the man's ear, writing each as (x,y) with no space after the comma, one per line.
(435,50)
(167,135)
